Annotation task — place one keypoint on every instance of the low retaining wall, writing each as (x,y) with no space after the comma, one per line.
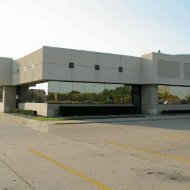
(41,108)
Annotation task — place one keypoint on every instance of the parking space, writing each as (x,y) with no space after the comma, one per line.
(152,154)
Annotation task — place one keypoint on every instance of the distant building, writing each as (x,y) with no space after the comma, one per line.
(50,78)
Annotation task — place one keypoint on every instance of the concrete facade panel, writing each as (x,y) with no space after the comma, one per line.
(84,59)
(129,77)
(56,55)
(187,71)
(41,108)
(107,75)
(131,63)
(109,61)
(24,68)
(175,77)
(5,71)
(147,75)
(168,69)
(37,72)
(56,60)
(56,72)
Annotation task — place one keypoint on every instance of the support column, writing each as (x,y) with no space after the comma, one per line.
(149,99)
(9,98)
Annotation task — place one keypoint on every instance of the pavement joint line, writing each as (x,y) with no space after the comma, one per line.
(60,165)
(26,182)
(160,154)
(179,136)
(141,157)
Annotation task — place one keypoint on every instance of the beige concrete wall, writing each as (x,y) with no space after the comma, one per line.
(159,68)
(28,68)
(41,108)
(132,69)
(148,70)
(168,69)
(5,71)
(187,71)
(50,63)
(171,69)
(56,61)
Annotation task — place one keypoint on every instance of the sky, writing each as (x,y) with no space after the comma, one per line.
(129,27)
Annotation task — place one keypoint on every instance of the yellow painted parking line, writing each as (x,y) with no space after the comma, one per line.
(60,165)
(175,136)
(160,154)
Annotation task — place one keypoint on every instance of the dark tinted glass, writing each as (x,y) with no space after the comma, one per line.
(88,93)
(36,93)
(173,94)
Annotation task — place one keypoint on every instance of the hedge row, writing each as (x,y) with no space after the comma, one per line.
(175,112)
(25,112)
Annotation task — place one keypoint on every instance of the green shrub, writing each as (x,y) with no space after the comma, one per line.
(25,112)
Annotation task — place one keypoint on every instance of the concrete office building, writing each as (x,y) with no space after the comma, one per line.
(52,77)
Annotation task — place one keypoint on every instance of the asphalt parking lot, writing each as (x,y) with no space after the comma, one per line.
(148,155)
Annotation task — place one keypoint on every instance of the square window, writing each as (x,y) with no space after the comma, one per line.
(71,65)
(97,67)
(120,69)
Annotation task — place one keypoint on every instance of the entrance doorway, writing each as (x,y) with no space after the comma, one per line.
(136,97)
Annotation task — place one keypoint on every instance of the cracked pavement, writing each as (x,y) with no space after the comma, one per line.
(107,156)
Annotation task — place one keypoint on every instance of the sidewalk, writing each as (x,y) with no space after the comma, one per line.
(123,119)
(15,118)
(25,120)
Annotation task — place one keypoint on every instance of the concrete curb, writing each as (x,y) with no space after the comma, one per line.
(113,120)
(43,126)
